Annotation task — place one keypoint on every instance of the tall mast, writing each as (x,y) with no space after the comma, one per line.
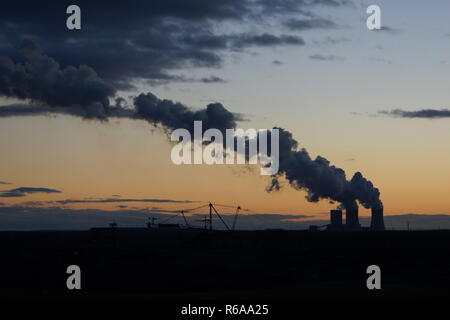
(210,216)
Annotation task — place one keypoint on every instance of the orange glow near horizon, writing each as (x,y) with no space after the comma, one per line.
(126,158)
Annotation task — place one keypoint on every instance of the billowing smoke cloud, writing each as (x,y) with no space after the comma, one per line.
(320,179)
(364,191)
(23,110)
(424,113)
(172,115)
(81,92)
(41,80)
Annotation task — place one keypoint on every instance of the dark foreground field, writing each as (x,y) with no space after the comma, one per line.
(158,264)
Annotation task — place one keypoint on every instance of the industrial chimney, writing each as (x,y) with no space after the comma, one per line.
(377,221)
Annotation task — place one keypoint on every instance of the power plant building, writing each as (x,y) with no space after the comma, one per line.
(352,219)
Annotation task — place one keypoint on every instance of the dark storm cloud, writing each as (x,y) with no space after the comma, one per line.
(277,62)
(146,39)
(4,182)
(23,191)
(309,24)
(424,113)
(41,80)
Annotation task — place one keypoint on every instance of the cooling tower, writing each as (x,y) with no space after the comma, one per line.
(377,221)
(335,220)
(351,217)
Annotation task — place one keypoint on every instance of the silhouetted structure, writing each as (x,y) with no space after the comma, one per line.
(335,220)
(351,217)
(352,220)
(377,221)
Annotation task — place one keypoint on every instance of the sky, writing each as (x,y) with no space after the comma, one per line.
(373,102)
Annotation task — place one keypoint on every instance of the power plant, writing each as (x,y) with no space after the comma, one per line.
(336,220)
(352,220)
(337,223)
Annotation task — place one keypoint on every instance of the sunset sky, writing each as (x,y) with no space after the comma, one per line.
(330,81)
